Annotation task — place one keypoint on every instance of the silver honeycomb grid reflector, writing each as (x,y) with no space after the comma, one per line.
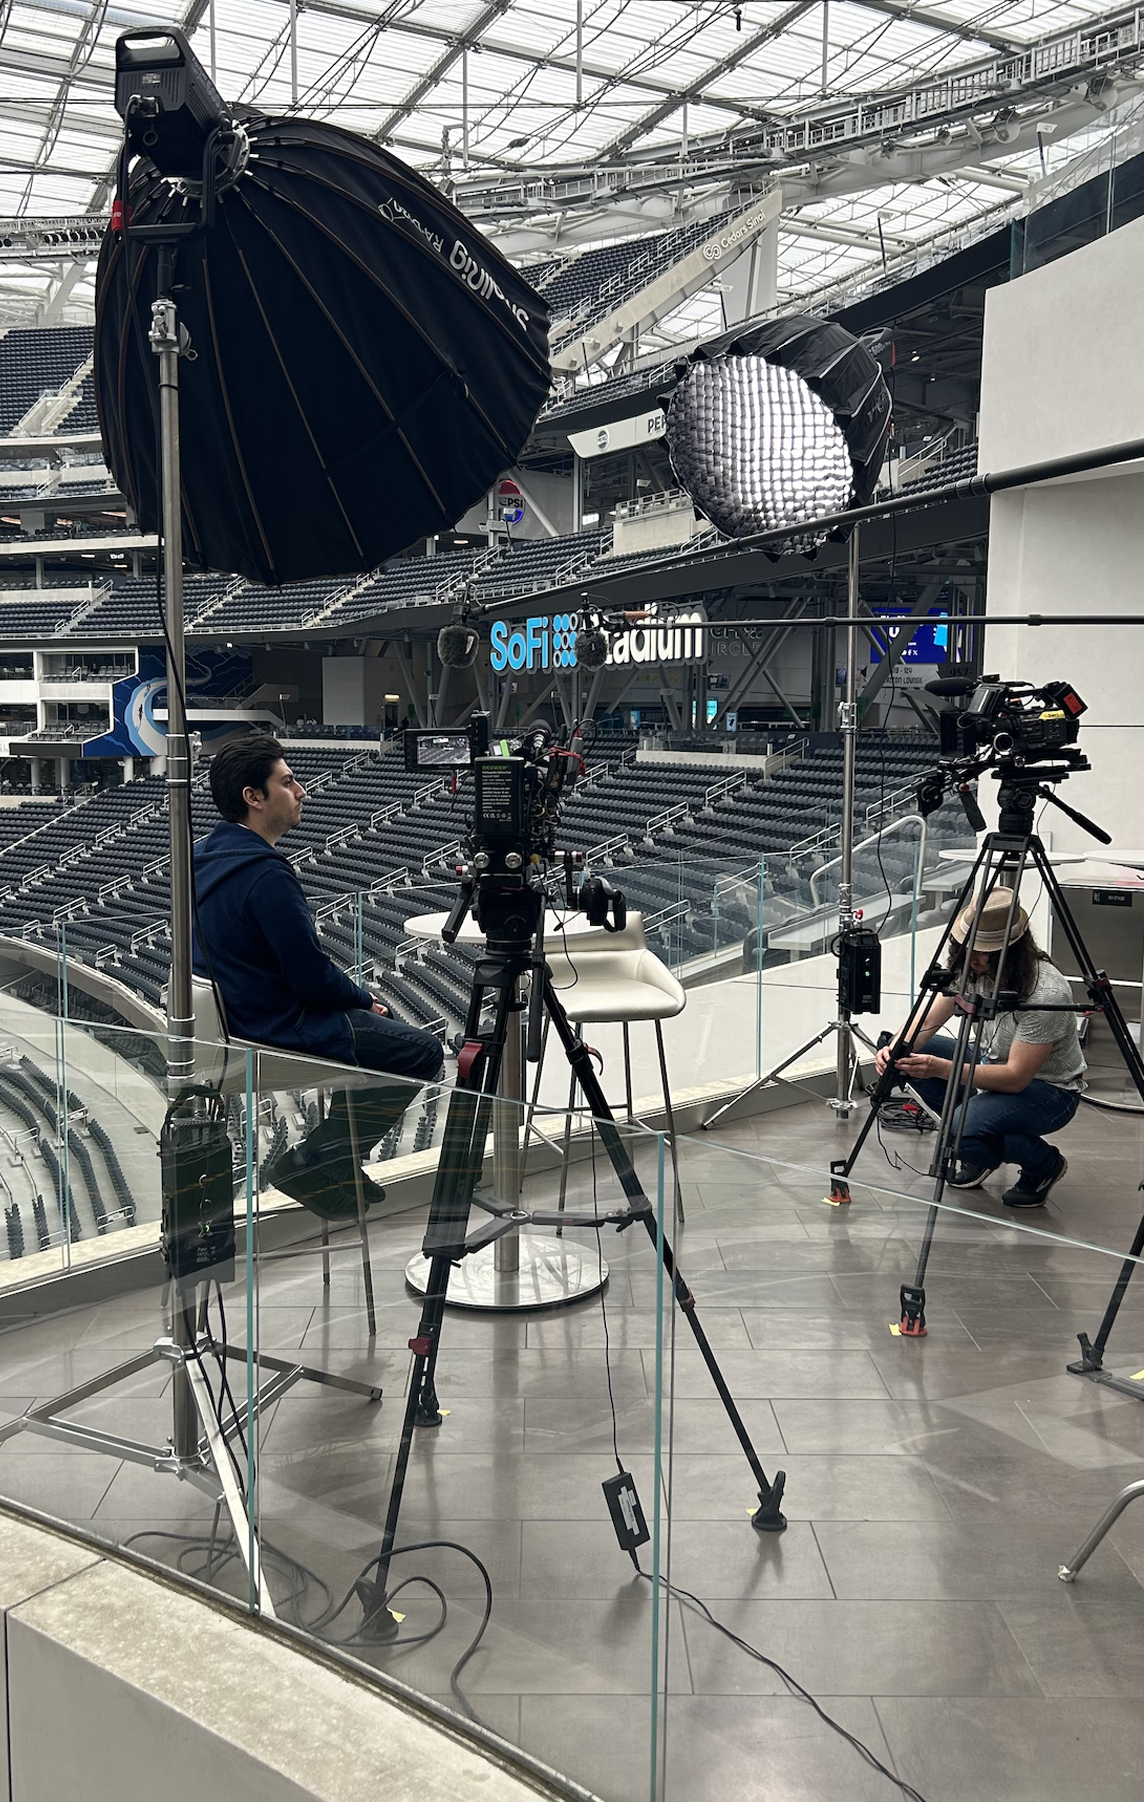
(786,423)
(756,448)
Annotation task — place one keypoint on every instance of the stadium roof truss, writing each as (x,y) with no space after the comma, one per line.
(561,123)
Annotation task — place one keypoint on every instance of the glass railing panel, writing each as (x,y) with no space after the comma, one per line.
(396,1501)
(933,1484)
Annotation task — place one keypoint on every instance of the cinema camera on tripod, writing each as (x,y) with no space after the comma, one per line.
(1025,736)
(518,793)
(511,871)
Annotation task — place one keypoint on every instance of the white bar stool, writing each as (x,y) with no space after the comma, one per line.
(614,979)
(220,1063)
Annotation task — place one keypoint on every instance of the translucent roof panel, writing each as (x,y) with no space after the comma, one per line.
(514,91)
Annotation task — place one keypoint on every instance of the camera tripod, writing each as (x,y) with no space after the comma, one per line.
(1003,859)
(510,910)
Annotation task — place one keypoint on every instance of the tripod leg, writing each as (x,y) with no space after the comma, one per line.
(775,1075)
(912,1296)
(458,1170)
(1100,992)
(769,1517)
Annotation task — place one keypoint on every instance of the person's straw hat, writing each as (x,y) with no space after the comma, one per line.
(991,929)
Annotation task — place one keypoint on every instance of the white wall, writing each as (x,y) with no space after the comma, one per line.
(353,691)
(1062,373)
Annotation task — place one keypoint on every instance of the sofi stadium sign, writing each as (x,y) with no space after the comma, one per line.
(550,644)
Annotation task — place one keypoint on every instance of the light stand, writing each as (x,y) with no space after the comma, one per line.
(851,942)
(199,1448)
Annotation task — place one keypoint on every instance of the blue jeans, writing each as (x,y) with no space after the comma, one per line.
(1004,1129)
(384,1045)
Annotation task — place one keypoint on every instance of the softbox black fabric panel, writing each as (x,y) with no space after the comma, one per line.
(365,366)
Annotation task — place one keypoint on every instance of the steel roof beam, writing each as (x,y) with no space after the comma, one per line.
(1046,71)
(639,128)
(956,28)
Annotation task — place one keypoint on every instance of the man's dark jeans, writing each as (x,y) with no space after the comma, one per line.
(379,1044)
(1004,1129)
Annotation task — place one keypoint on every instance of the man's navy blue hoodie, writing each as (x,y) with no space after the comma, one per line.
(277,983)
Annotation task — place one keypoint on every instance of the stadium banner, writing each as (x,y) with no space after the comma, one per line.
(135,731)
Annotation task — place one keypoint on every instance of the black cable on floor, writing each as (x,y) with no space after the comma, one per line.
(685,1595)
(300,1575)
(219,1349)
(1112,1107)
(792,1683)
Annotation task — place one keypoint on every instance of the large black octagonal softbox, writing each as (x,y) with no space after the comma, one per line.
(365,364)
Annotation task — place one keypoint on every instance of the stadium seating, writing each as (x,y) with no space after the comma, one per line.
(377,844)
(32,362)
(596,281)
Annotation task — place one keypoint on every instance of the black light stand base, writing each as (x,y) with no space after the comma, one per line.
(377,1624)
(768,1518)
(1090,1364)
(1090,1360)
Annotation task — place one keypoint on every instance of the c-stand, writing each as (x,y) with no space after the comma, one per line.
(509,906)
(1003,859)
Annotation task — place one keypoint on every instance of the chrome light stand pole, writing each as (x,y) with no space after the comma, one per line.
(848,1036)
(198,1450)
(164,341)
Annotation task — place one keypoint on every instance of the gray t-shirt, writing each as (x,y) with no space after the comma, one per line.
(1065,1066)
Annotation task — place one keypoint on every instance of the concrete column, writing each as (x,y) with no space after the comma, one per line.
(36,765)
(128,766)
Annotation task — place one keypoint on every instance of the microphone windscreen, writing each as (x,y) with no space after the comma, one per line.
(592,648)
(951,685)
(457,646)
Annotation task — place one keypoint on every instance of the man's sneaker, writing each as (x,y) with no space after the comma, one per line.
(313,1185)
(1027,1193)
(969,1176)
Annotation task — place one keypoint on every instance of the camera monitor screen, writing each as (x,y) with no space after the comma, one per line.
(438,750)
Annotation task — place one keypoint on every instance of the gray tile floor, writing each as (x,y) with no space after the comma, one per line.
(933,1487)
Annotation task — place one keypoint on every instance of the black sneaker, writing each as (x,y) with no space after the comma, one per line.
(1026,1193)
(969,1176)
(313,1185)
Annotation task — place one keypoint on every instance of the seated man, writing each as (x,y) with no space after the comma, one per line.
(255,940)
(1029,1080)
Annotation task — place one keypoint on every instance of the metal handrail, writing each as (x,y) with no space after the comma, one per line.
(816,841)
(886,805)
(674,911)
(658,821)
(607,847)
(873,839)
(440,854)
(726,785)
(160,929)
